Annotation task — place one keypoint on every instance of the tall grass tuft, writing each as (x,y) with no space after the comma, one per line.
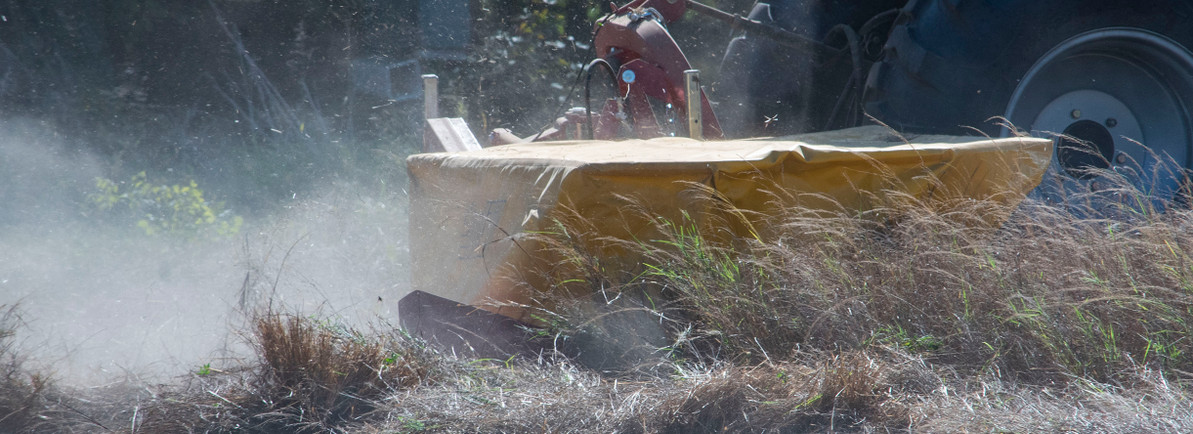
(311,376)
(317,374)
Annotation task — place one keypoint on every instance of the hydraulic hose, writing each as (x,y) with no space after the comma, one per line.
(587,89)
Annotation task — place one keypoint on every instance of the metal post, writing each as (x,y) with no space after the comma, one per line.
(691,80)
(430,96)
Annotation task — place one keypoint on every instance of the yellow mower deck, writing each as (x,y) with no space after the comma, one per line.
(471,212)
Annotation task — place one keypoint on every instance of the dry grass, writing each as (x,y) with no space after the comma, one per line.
(1145,403)
(560,397)
(853,392)
(1047,296)
(312,376)
(331,374)
(24,395)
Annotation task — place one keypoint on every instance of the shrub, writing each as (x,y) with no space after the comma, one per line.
(162,209)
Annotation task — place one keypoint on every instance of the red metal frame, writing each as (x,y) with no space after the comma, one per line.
(634,38)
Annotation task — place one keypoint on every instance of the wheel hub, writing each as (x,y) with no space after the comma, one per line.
(1085,145)
(1093,127)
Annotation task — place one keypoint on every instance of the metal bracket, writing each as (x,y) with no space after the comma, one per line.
(691,80)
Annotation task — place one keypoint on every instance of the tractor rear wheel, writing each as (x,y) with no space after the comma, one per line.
(1106,78)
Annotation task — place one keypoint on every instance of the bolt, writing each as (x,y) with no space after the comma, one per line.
(1111,122)
(1076,114)
(1121,158)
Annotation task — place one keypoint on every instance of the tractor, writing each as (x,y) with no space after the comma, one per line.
(833,102)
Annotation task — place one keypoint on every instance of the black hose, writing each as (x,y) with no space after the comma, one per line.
(877,20)
(562,106)
(587,89)
(855,79)
(867,34)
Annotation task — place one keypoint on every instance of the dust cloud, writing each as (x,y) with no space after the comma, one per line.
(101,303)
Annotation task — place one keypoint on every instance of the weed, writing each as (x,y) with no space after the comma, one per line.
(898,337)
(412,425)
